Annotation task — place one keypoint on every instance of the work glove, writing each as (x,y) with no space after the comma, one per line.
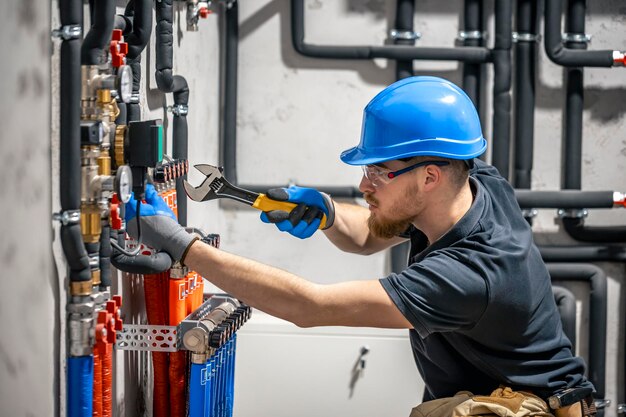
(305,218)
(159,227)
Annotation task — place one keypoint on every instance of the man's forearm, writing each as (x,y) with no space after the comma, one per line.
(269,289)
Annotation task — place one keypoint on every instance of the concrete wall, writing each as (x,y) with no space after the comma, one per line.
(296,115)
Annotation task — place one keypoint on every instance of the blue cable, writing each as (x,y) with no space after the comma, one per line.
(80,386)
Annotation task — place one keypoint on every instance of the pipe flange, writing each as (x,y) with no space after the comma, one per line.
(576,37)
(573,213)
(405,35)
(67,217)
(466,35)
(179,109)
(526,37)
(68,32)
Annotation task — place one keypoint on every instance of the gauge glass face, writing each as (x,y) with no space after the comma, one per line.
(126,83)
(124,183)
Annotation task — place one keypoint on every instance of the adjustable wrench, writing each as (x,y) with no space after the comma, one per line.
(215,186)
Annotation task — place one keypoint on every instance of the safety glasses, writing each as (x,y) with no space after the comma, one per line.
(379,176)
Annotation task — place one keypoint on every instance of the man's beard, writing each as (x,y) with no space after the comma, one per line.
(385,228)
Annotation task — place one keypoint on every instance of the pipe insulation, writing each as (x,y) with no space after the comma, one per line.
(472,72)
(95,47)
(405,11)
(80,386)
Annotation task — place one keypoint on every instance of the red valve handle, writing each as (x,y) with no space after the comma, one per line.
(204,12)
(118,49)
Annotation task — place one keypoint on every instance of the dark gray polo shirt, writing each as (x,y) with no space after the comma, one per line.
(481,303)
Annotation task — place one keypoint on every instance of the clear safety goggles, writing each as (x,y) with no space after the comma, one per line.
(380,176)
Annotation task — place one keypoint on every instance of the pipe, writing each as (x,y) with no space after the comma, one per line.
(501,55)
(399,52)
(566,303)
(564,54)
(575,227)
(568,199)
(405,10)
(96,44)
(473,24)
(80,386)
(597,315)
(525,76)
(598,253)
(196,390)
(169,83)
(140,12)
(105,255)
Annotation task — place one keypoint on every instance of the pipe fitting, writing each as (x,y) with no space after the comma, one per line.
(619,199)
(407,35)
(573,213)
(619,58)
(529,213)
(67,217)
(178,270)
(80,328)
(179,109)
(68,32)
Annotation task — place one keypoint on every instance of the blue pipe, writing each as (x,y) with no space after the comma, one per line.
(80,386)
(208,388)
(196,390)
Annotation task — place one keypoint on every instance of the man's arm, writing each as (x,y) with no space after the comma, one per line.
(351,234)
(287,296)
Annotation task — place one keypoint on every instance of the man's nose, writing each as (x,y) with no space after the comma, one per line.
(366,185)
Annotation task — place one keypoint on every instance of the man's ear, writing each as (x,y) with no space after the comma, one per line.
(432,177)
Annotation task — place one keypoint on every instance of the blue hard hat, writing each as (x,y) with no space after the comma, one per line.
(418,116)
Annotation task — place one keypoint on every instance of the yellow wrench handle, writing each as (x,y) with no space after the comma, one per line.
(264,203)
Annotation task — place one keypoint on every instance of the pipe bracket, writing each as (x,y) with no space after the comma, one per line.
(576,37)
(67,217)
(465,35)
(526,37)
(68,32)
(573,213)
(179,109)
(529,213)
(407,35)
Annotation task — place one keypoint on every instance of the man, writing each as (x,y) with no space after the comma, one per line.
(475,296)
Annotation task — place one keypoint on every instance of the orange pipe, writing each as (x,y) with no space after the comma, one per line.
(107,381)
(97,382)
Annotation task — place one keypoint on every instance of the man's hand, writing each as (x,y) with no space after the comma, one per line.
(305,219)
(159,227)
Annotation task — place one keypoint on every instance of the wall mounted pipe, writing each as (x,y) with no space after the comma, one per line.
(575,227)
(176,84)
(569,199)
(597,315)
(472,37)
(562,53)
(96,44)
(403,34)
(592,253)
(399,52)
(566,303)
(525,76)
(80,386)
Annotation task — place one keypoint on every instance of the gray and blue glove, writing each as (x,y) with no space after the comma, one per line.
(159,227)
(305,218)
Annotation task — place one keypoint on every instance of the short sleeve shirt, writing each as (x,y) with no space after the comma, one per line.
(481,304)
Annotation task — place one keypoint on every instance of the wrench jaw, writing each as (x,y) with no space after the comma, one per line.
(203,192)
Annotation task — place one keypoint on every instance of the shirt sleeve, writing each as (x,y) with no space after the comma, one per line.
(439,294)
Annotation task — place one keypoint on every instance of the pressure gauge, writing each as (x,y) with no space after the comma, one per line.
(125,82)
(123,183)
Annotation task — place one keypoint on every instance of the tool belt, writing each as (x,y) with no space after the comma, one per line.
(503,402)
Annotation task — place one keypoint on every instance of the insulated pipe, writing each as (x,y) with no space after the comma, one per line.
(196,390)
(566,303)
(525,74)
(105,255)
(575,227)
(564,55)
(597,315)
(95,46)
(398,52)
(141,13)
(501,54)
(608,253)
(404,35)
(473,28)
(568,199)
(169,83)
(80,386)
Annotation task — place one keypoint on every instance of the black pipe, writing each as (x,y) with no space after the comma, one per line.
(105,255)
(599,253)
(562,54)
(169,83)
(138,38)
(71,14)
(501,54)
(597,315)
(405,11)
(566,199)
(134,108)
(472,73)
(122,117)
(571,176)
(96,44)
(575,227)
(525,76)
(399,52)
(566,303)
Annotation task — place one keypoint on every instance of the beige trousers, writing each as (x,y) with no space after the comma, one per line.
(503,402)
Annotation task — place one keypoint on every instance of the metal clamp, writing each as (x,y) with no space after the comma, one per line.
(465,35)
(68,32)
(576,37)
(529,213)
(573,213)
(407,35)
(179,109)
(526,37)
(134,98)
(67,217)
(621,409)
